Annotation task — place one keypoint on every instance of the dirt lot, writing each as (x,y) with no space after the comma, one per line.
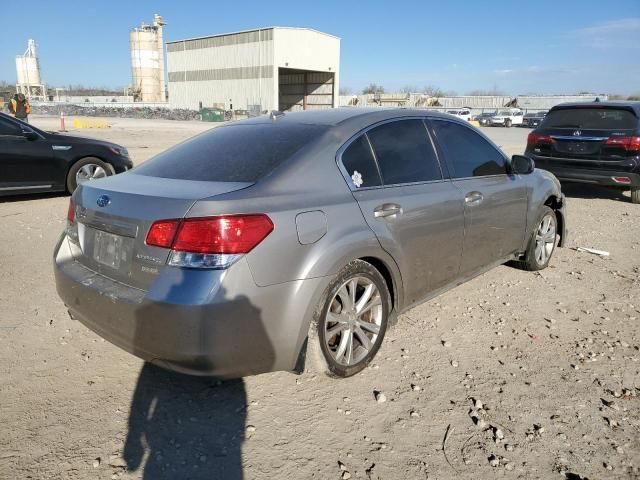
(552,357)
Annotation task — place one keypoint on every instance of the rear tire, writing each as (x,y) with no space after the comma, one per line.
(346,334)
(542,243)
(507,123)
(635,194)
(84,168)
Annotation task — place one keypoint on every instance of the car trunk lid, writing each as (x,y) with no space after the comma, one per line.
(113,217)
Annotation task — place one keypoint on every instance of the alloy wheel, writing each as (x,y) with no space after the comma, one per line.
(90,171)
(353,322)
(545,239)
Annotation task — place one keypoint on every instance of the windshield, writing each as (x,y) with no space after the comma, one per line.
(591,118)
(505,113)
(234,153)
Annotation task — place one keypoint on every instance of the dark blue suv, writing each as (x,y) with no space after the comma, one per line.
(595,142)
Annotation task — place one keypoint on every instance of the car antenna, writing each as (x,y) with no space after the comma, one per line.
(275,114)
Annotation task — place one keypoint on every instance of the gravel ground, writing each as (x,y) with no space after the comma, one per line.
(511,375)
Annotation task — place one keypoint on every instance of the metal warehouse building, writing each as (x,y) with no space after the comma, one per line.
(275,68)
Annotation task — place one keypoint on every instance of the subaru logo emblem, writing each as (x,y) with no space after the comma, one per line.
(577,133)
(103,200)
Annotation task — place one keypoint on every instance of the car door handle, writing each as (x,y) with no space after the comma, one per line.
(473,198)
(387,209)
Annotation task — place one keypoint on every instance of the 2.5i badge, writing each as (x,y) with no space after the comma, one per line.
(357,178)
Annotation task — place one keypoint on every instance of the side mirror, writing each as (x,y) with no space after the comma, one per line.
(29,134)
(522,165)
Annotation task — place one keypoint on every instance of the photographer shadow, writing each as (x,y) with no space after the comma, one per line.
(183,426)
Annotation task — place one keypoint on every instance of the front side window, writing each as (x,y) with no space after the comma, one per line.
(404,152)
(360,165)
(9,128)
(469,154)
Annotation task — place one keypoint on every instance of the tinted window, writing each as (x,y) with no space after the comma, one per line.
(235,153)
(469,153)
(358,158)
(591,118)
(404,152)
(9,128)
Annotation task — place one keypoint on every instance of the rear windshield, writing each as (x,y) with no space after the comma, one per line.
(591,118)
(234,153)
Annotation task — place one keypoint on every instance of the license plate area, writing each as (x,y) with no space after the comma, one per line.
(108,250)
(578,147)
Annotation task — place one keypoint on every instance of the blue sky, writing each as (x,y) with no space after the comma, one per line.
(561,46)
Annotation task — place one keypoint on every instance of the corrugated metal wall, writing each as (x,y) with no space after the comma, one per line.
(547,101)
(229,70)
(241,69)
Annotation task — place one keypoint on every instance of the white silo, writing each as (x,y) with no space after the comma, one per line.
(28,73)
(147,62)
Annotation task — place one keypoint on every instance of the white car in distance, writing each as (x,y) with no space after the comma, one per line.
(507,117)
(462,113)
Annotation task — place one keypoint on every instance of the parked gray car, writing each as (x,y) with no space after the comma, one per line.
(291,241)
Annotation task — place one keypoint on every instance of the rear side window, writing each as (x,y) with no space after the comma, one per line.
(234,153)
(469,154)
(591,119)
(404,152)
(359,163)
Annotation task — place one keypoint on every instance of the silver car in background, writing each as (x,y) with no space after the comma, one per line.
(290,241)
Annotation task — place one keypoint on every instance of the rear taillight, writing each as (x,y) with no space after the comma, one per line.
(209,242)
(630,144)
(536,139)
(71,212)
(162,233)
(622,180)
(72,227)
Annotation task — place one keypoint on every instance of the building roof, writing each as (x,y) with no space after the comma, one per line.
(253,30)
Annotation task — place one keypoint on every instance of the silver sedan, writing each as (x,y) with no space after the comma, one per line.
(289,242)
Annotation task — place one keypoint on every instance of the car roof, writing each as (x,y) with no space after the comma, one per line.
(633,106)
(341,115)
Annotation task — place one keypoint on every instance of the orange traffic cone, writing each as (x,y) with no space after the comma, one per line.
(62,127)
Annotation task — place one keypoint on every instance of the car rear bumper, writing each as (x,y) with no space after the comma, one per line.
(583,174)
(202,322)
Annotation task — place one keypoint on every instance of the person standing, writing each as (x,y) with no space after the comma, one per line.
(19,107)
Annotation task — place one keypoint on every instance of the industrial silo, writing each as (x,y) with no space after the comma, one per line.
(147,62)
(28,73)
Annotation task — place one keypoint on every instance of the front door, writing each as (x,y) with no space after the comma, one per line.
(25,163)
(495,202)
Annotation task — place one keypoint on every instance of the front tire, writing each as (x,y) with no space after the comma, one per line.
(351,321)
(543,242)
(507,123)
(635,194)
(86,169)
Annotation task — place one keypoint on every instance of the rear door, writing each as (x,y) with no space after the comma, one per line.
(416,215)
(495,202)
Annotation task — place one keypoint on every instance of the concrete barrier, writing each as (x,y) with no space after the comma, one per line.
(89,123)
